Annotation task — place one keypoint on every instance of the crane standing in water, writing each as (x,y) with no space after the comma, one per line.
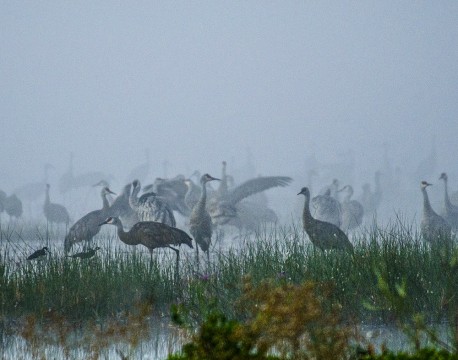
(200,222)
(322,234)
(88,226)
(433,227)
(153,235)
(450,212)
(55,213)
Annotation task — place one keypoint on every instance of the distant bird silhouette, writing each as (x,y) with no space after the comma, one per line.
(88,226)
(200,222)
(85,254)
(13,206)
(39,253)
(55,213)
(371,199)
(434,228)
(150,207)
(450,211)
(32,191)
(151,234)
(322,234)
(327,208)
(352,210)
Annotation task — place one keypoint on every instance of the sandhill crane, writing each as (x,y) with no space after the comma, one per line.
(39,253)
(31,192)
(200,222)
(450,212)
(55,213)
(153,235)
(224,209)
(322,234)
(149,207)
(13,206)
(120,208)
(434,228)
(352,210)
(85,254)
(104,183)
(371,199)
(326,208)
(172,191)
(88,226)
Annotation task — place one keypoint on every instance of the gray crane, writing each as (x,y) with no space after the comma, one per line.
(13,206)
(120,208)
(150,207)
(223,210)
(371,199)
(172,191)
(433,227)
(39,253)
(352,210)
(55,213)
(200,222)
(322,234)
(88,226)
(450,211)
(153,235)
(327,208)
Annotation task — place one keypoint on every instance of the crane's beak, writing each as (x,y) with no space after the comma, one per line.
(105,222)
(213,178)
(111,192)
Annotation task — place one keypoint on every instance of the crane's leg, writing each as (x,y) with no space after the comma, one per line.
(197,256)
(177,268)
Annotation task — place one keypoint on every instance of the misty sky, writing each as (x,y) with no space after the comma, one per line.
(200,82)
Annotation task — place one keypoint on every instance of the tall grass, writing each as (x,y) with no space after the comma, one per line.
(120,278)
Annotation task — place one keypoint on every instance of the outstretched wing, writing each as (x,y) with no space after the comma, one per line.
(256,185)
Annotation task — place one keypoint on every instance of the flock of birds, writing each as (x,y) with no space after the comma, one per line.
(149,219)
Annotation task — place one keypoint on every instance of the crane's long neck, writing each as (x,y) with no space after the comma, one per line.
(47,200)
(124,236)
(448,204)
(427,209)
(133,198)
(203,197)
(306,215)
(106,204)
(222,190)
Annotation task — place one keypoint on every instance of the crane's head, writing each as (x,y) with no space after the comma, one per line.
(425,184)
(305,191)
(206,178)
(45,249)
(106,190)
(443,177)
(135,184)
(110,220)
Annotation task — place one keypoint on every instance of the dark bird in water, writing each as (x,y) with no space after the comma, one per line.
(322,234)
(85,254)
(150,207)
(450,211)
(88,226)
(151,234)
(39,253)
(433,227)
(200,222)
(55,213)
